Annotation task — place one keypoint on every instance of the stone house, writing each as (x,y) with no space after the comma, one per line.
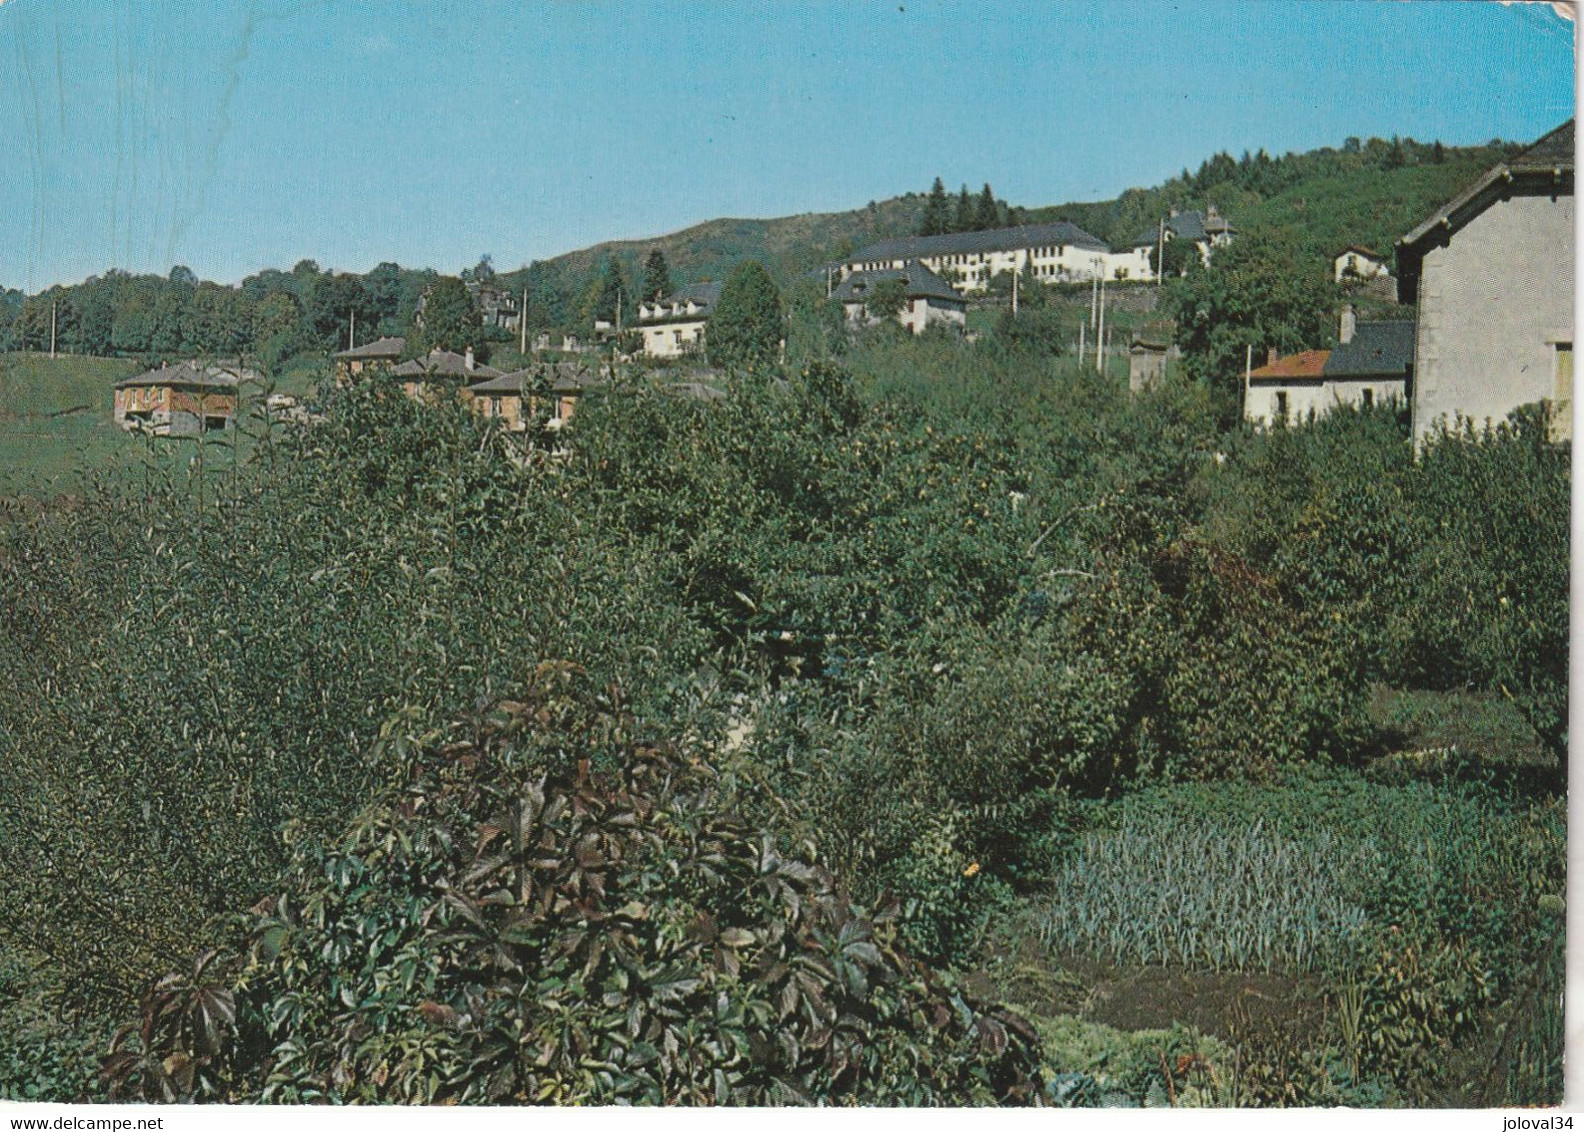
(511,398)
(1059,252)
(674,326)
(1492,274)
(380,355)
(1356,264)
(927,299)
(180,400)
(440,370)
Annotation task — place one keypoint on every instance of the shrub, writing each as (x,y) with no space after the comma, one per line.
(554,907)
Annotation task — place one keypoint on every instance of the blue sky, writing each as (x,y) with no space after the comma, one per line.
(232,136)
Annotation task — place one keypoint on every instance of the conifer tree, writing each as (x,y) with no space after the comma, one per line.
(935,219)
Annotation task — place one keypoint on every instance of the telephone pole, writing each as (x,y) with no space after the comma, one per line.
(352,331)
(1100,333)
(52,329)
(522,323)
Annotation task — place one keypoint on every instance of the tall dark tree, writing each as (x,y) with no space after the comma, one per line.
(986,215)
(657,276)
(963,219)
(749,323)
(607,293)
(450,320)
(936,218)
(333,301)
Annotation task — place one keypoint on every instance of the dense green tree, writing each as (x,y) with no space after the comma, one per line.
(450,320)
(748,324)
(886,298)
(963,218)
(333,301)
(657,276)
(607,293)
(987,214)
(936,219)
(1258,293)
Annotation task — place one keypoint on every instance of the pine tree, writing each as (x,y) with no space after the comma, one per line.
(935,219)
(749,323)
(964,220)
(657,276)
(986,216)
(935,211)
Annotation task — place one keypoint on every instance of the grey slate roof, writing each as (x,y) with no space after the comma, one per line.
(1384,349)
(444,363)
(187,375)
(565,377)
(704,294)
(1546,166)
(993,240)
(1187,225)
(379,348)
(920,281)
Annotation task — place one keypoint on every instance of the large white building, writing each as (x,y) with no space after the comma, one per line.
(1053,253)
(1492,273)
(674,325)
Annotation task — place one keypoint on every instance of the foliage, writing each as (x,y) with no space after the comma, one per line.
(1258,294)
(450,319)
(748,324)
(1227,896)
(1097,1066)
(551,907)
(657,276)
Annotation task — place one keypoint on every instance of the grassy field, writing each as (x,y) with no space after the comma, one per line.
(57,422)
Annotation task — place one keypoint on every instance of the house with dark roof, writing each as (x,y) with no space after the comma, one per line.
(674,325)
(1058,252)
(1372,364)
(511,399)
(1206,229)
(925,299)
(380,354)
(1492,274)
(440,370)
(179,400)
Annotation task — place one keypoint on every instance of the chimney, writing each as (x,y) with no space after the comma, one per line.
(1270,356)
(467,360)
(1349,324)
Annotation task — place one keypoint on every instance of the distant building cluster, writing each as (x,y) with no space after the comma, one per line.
(1491,275)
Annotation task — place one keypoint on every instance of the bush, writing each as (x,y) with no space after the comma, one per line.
(555,907)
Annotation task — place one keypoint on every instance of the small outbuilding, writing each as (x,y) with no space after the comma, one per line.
(185,399)
(1356,264)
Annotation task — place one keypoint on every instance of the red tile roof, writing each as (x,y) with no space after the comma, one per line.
(1310,363)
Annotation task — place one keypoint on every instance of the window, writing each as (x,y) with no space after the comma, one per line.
(1281,408)
(1369,398)
(1562,399)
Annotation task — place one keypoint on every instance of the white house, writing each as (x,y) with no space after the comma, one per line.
(1054,253)
(1356,264)
(927,299)
(674,326)
(1372,364)
(1206,230)
(1492,273)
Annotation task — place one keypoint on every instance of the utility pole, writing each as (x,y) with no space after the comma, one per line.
(1160,258)
(52,329)
(522,323)
(1248,368)
(828,288)
(618,311)
(1015,274)
(1082,327)
(1100,333)
(352,331)
(1094,293)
